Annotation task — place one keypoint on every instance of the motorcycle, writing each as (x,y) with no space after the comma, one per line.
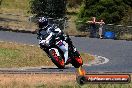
(56,54)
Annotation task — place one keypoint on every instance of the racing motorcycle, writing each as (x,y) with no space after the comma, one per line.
(56,54)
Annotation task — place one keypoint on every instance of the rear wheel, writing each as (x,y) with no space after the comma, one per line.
(57,60)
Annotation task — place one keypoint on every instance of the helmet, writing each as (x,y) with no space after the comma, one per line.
(42,22)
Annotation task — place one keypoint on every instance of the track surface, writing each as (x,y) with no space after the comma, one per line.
(119,52)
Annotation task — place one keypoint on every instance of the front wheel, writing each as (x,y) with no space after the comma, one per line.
(56,58)
(77,60)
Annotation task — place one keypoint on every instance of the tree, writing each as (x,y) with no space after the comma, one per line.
(112,11)
(1,2)
(74,3)
(128,2)
(48,8)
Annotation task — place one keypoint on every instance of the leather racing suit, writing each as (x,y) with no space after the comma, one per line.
(54,31)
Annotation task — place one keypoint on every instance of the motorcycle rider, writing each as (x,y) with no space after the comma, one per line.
(52,30)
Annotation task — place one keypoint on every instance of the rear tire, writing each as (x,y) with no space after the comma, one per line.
(57,60)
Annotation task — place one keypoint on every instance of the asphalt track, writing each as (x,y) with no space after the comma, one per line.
(119,52)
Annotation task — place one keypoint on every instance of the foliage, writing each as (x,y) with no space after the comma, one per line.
(128,2)
(49,8)
(73,3)
(0,2)
(112,11)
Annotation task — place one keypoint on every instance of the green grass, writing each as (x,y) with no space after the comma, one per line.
(19,55)
(15,4)
(8,53)
(8,56)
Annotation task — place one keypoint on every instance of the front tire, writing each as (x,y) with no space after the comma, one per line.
(57,60)
(77,60)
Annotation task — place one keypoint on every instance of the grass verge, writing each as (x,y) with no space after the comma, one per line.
(45,81)
(19,55)
(19,18)
(126,36)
